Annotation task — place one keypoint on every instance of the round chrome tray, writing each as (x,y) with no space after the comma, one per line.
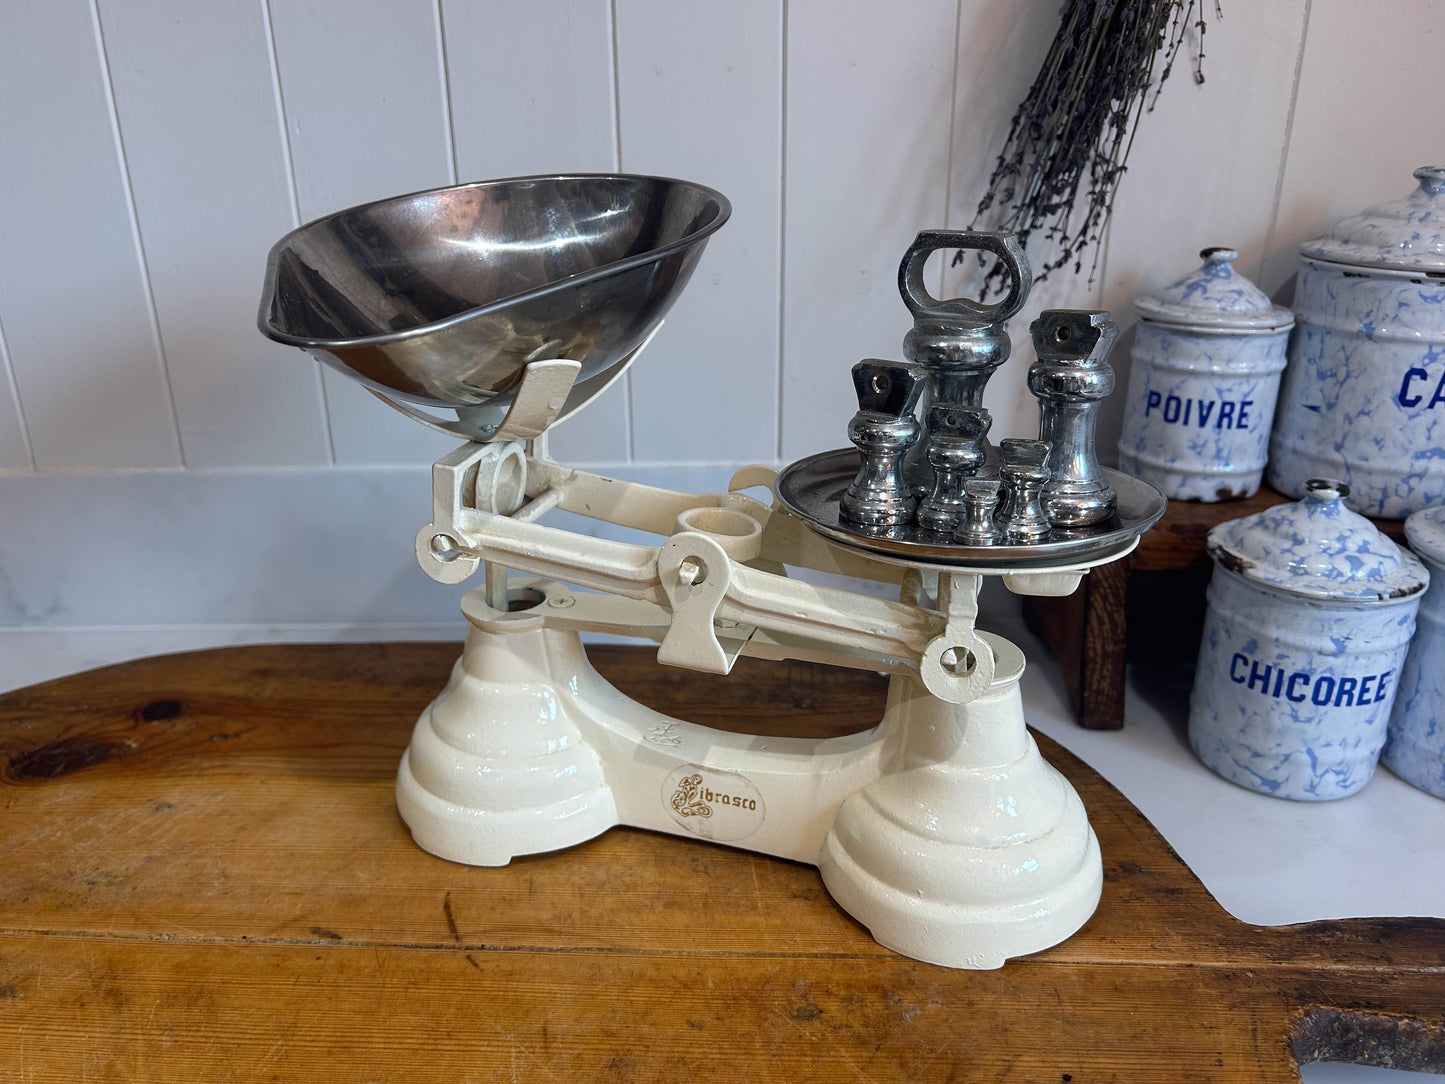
(812,487)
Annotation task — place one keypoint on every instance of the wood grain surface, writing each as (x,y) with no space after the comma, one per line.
(205,878)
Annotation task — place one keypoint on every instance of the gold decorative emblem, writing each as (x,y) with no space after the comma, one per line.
(686,800)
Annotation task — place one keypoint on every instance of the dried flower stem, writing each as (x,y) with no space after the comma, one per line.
(1076,127)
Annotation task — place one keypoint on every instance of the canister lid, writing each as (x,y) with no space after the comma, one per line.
(1404,235)
(1215,296)
(1319,549)
(1425,531)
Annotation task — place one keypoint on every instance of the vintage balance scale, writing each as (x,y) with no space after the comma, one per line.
(515,303)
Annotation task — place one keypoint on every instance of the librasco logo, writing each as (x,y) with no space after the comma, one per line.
(713,804)
(687,798)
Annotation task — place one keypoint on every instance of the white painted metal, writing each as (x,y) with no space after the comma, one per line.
(700,96)
(968,848)
(528,749)
(197,106)
(73,297)
(366,118)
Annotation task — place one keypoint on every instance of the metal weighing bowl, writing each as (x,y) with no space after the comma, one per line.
(440,298)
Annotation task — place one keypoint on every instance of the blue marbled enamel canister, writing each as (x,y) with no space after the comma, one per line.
(1415,749)
(1363,397)
(1311,610)
(1207,358)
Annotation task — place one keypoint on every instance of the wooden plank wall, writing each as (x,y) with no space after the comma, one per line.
(153,153)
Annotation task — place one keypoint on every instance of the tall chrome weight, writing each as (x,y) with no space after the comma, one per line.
(957,343)
(883,430)
(1070,379)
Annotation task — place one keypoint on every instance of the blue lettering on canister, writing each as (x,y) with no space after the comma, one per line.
(1404,398)
(1188,413)
(1408,396)
(1276,681)
(1236,675)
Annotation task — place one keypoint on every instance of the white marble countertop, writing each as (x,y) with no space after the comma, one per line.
(1267,861)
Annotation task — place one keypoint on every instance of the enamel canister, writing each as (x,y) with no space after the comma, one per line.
(1207,358)
(1415,748)
(1310,614)
(1363,397)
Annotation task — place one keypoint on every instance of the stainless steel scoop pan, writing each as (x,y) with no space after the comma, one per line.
(441,298)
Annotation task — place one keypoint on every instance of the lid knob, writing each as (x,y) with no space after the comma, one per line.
(1325,490)
(1214,296)
(1432,179)
(1318,549)
(1218,256)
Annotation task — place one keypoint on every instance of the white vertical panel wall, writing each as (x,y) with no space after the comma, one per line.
(868,110)
(1212,173)
(1366,115)
(73,299)
(153,153)
(366,118)
(196,98)
(700,97)
(1000,49)
(533,90)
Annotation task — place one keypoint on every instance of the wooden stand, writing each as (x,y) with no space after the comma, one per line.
(1148,607)
(205,878)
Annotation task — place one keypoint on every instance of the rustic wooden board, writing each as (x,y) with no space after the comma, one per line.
(205,878)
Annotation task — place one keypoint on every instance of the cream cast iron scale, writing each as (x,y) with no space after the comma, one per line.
(513,303)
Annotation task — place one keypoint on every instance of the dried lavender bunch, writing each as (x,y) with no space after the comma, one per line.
(1074,131)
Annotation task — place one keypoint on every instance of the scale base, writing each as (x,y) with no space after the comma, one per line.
(942,830)
(970,848)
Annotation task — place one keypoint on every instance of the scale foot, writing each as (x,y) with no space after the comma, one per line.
(496,768)
(970,849)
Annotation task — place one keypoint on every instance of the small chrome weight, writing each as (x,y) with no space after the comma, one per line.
(955,455)
(980,501)
(1021,514)
(883,430)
